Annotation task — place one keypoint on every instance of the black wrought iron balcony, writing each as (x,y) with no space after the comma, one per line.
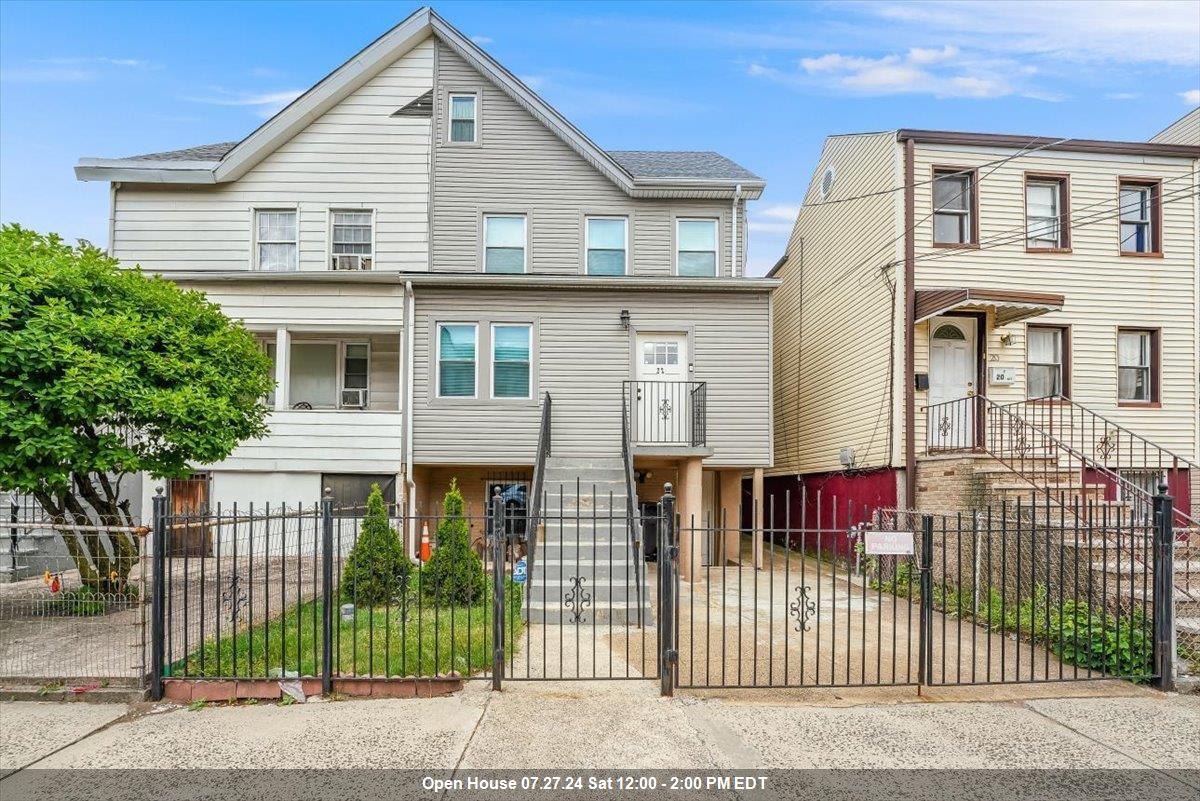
(667,413)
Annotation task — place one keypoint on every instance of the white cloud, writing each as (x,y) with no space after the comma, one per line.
(941,71)
(113,62)
(780,211)
(481,40)
(73,69)
(1120,31)
(266,104)
(760,227)
(1122,96)
(1191,97)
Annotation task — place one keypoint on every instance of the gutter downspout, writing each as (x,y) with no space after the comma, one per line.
(112,217)
(410,485)
(910,308)
(734,272)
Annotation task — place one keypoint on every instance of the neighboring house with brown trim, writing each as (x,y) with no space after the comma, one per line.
(929,267)
(428,249)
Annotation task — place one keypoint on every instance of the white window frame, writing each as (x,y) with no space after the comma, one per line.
(329,254)
(492,360)
(1148,367)
(437,364)
(1061,364)
(1147,221)
(450,118)
(342,346)
(1033,224)
(587,240)
(524,217)
(255,258)
(716,223)
(965,216)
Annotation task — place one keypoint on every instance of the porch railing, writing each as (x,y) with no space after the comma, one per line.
(670,413)
(1072,453)
(631,509)
(535,494)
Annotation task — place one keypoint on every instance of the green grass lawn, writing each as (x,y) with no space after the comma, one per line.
(434,641)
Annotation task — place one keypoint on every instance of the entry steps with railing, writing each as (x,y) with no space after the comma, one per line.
(586,564)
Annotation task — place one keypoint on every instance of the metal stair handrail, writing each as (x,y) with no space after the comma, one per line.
(534,508)
(631,506)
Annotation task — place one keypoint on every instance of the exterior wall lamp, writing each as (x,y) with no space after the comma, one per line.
(625,319)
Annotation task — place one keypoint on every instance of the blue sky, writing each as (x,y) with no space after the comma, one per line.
(763,83)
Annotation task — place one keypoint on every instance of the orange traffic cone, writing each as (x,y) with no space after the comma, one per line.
(425,548)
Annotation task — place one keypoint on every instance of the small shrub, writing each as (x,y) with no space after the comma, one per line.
(454,574)
(1099,641)
(377,572)
(82,602)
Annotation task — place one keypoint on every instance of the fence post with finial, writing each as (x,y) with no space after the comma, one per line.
(496,531)
(1164,589)
(329,601)
(159,594)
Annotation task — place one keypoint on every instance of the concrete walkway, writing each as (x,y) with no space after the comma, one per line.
(543,725)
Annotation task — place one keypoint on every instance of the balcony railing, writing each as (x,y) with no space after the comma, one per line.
(666,413)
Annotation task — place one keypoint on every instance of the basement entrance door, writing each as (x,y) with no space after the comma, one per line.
(662,406)
(952,374)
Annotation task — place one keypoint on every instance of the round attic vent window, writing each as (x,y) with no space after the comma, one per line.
(826,182)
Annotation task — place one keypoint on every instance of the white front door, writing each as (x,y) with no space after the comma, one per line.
(662,394)
(952,374)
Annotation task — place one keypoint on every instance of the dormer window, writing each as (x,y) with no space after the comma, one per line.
(464,109)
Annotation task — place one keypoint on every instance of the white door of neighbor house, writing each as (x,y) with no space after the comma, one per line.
(661,402)
(952,375)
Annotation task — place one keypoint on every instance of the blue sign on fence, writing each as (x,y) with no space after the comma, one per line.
(519,571)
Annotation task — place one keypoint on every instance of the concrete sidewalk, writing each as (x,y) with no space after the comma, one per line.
(555,725)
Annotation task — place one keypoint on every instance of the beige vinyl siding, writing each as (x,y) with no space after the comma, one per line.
(1103,290)
(1184,131)
(309,306)
(519,165)
(834,312)
(356,155)
(581,356)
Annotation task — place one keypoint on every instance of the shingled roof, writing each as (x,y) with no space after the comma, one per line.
(214,152)
(697,164)
(687,164)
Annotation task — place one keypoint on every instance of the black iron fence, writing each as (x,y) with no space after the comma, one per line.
(1019,592)
(667,413)
(1023,592)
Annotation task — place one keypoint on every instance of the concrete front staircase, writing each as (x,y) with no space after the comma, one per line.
(585,535)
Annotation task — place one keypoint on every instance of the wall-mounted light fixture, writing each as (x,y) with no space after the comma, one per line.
(625,319)
(1006,339)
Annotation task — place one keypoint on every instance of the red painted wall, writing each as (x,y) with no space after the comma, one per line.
(826,501)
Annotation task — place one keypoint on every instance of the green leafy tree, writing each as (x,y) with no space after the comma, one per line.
(104,373)
(377,571)
(454,574)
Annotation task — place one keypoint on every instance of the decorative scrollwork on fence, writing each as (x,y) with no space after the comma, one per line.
(577,600)
(802,608)
(664,409)
(945,426)
(1105,446)
(234,597)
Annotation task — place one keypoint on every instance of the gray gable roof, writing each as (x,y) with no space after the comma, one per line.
(692,164)
(214,152)
(687,164)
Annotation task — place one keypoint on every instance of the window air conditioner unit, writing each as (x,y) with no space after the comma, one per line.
(354,399)
(351,261)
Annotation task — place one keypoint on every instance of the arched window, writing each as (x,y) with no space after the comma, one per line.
(948,331)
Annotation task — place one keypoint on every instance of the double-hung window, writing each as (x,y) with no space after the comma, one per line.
(504,240)
(511,377)
(1139,208)
(352,244)
(275,235)
(356,361)
(456,360)
(953,207)
(1046,361)
(607,245)
(1047,222)
(696,248)
(463,117)
(1136,357)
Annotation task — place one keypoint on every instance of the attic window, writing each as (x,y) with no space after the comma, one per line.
(463,117)
(827,182)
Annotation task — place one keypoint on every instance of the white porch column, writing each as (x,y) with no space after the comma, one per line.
(283,358)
